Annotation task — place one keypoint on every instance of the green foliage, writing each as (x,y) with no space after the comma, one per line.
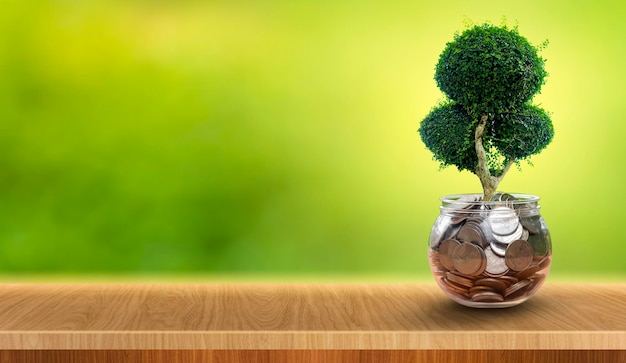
(490,69)
(448,133)
(493,71)
(520,134)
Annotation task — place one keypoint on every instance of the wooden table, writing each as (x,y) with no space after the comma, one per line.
(304,323)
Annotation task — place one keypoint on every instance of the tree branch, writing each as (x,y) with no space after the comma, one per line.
(482,168)
(506,169)
(489,182)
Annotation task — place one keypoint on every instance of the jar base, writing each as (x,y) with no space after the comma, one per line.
(486,291)
(489,305)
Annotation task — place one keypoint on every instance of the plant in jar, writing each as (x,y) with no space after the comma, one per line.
(489,249)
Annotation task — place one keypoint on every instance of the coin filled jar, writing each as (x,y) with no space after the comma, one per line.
(490,254)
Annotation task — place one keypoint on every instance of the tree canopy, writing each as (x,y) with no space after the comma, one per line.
(490,75)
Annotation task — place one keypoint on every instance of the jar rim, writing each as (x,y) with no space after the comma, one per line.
(475,200)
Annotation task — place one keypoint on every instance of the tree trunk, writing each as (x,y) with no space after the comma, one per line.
(488,181)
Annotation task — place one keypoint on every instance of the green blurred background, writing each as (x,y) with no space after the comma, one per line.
(279,137)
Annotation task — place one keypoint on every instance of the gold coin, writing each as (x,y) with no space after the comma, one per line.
(446,248)
(469,259)
(518,255)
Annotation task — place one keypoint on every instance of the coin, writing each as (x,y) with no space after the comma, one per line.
(446,248)
(525,235)
(435,264)
(460,280)
(529,272)
(439,231)
(516,287)
(483,266)
(487,296)
(495,264)
(498,248)
(454,288)
(517,234)
(539,244)
(480,288)
(532,223)
(495,284)
(545,262)
(458,220)
(507,198)
(496,197)
(502,197)
(485,228)
(469,259)
(503,221)
(508,280)
(518,255)
(471,232)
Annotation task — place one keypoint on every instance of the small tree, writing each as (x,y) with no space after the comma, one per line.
(488,123)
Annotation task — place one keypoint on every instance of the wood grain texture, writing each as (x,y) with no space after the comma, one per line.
(305,316)
(311,356)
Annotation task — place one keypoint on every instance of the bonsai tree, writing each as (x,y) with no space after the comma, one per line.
(489,75)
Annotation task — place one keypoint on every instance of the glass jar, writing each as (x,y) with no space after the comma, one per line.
(490,254)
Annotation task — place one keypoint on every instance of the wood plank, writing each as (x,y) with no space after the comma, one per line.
(310,356)
(303,316)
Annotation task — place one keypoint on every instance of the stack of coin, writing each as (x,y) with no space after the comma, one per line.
(485,288)
(506,228)
(494,254)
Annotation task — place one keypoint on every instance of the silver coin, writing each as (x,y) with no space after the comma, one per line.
(503,221)
(458,220)
(440,231)
(532,224)
(507,198)
(517,234)
(504,198)
(539,244)
(525,235)
(496,265)
(498,248)
(496,197)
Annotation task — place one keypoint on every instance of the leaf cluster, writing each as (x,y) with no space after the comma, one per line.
(493,71)
(490,69)
(448,133)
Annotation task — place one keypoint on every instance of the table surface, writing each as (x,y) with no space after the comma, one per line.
(303,316)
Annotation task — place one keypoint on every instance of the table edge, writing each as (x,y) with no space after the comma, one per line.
(322,340)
